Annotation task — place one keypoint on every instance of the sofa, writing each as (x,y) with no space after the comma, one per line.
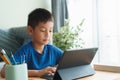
(12,39)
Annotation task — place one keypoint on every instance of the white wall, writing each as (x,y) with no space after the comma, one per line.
(13,13)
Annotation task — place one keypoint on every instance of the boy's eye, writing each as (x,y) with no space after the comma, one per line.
(42,30)
(51,31)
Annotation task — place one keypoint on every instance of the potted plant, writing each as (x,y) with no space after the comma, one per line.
(68,37)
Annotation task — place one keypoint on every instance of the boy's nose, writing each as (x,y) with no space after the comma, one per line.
(47,34)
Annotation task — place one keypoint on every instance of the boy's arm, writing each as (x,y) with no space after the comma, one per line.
(48,71)
(3,72)
(31,73)
(36,73)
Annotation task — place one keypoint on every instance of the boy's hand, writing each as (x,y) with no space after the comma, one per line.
(49,71)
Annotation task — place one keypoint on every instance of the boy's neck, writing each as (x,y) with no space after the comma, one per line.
(38,47)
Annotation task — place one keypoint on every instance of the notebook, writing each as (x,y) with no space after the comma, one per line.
(75,64)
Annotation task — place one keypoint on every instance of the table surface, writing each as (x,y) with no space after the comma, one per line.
(100,75)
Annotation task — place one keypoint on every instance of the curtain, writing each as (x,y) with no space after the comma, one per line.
(60,13)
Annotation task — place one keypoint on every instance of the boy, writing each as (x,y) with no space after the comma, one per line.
(41,57)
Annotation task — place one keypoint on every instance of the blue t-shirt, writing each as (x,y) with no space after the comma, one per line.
(50,56)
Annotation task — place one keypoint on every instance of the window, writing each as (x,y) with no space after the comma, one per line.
(82,9)
(109,34)
(101,27)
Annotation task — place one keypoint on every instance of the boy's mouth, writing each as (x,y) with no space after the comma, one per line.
(46,40)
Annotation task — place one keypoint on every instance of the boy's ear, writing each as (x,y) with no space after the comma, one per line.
(30,30)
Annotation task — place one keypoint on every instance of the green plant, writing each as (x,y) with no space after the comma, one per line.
(68,37)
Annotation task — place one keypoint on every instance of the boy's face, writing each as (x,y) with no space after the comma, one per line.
(42,33)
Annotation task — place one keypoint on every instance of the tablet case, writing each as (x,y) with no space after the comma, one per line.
(75,64)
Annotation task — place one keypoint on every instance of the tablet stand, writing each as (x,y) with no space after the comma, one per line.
(74,72)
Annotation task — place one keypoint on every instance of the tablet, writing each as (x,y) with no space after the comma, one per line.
(75,64)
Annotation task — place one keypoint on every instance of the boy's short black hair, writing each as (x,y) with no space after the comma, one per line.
(39,15)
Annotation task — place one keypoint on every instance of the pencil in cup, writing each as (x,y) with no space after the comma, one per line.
(4,56)
(13,59)
(22,59)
